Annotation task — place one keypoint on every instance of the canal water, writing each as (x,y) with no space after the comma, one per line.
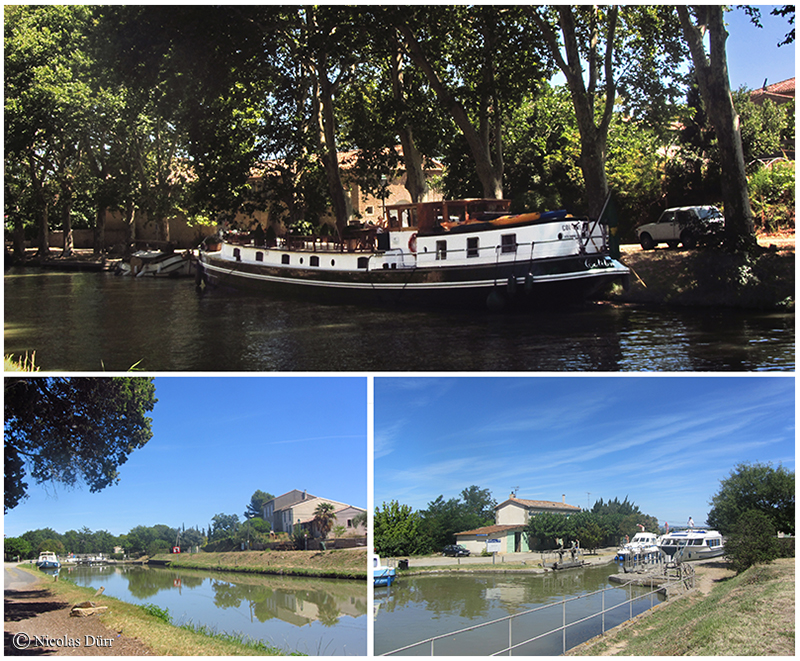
(419,607)
(93,322)
(317,617)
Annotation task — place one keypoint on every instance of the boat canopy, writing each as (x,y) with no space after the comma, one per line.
(428,216)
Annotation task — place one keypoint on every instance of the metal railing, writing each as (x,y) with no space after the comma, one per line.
(686,576)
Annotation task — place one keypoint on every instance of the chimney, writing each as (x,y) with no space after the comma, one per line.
(304,493)
(563,499)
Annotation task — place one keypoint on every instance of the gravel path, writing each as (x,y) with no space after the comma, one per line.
(38,623)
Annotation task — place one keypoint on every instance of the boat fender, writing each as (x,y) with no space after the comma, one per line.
(511,285)
(528,286)
(496,300)
(412,242)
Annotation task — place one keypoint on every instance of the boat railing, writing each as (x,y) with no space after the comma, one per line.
(600,610)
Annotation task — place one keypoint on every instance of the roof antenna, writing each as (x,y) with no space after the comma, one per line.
(514,491)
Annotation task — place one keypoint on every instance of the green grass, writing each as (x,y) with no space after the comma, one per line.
(751,614)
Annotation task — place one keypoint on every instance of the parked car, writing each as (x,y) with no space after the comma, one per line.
(455,550)
(685,225)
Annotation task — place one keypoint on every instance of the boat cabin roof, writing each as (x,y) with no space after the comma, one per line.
(427,216)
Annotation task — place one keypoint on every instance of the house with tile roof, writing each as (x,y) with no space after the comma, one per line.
(511,519)
(297,508)
(782,92)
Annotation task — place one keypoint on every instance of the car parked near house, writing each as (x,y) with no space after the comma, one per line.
(687,226)
(455,550)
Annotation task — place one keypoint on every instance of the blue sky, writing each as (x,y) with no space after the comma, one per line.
(664,442)
(753,54)
(216,441)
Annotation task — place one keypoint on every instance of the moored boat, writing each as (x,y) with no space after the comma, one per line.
(157,263)
(382,576)
(48,560)
(692,544)
(643,545)
(462,252)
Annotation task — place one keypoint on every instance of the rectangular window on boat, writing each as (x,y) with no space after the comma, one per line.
(441,250)
(259,256)
(472,246)
(508,243)
(237,253)
(284,259)
(314,260)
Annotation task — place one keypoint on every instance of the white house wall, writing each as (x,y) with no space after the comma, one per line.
(511,514)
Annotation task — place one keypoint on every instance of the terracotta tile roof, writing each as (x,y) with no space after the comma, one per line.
(540,504)
(490,530)
(779,92)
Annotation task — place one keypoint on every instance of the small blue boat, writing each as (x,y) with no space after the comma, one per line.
(382,575)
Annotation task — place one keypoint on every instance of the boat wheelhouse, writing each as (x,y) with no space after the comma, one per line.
(382,576)
(461,252)
(692,544)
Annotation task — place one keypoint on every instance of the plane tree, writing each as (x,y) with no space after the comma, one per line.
(74,430)
(487,64)
(609,54)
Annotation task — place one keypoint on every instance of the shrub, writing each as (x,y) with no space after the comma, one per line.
(772,196)
(752,541)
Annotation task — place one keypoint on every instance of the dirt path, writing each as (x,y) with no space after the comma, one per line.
(38,623)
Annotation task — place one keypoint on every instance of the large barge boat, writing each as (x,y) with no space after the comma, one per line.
(462,252)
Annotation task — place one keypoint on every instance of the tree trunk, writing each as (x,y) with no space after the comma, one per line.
(490,174)
(162,228)
(66,224)
(130,229)
(416,183)
(41,198)
(99,230)
(594,136)
(19,239)
(714,83)
(327,138)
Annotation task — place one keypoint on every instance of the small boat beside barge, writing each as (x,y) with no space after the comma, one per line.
(464,252)
(157,264)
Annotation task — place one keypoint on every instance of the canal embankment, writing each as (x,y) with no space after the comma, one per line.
(339,563)
(760,280)
(37,621)
(752,614)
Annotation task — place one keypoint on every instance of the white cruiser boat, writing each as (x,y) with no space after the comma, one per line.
(48,560)
(692,544)
(643,545)
(462,252)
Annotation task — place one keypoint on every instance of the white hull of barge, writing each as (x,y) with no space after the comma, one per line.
(535,263)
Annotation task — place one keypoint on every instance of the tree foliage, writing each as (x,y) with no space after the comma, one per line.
(72,430)
(752,540)
(324,518)
(758,487)
(256,505)
(396,529)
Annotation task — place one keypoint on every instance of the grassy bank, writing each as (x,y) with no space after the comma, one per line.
(149,625)
(344,563)
(747,615)
(695,278)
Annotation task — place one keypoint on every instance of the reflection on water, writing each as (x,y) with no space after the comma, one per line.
(419,607)
(312,616)
(89,322)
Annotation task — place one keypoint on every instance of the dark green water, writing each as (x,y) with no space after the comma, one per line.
(311,616)
(92,322)
(420,607)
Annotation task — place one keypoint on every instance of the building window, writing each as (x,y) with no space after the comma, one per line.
(472,246)
(441,250)
(369,211)
(349,523)
(508,243)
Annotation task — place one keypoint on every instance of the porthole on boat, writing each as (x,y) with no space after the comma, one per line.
(333,262)
(301,260)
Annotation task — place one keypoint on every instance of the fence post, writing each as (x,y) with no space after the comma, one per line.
(510,620)
(603,612)
(564,625)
